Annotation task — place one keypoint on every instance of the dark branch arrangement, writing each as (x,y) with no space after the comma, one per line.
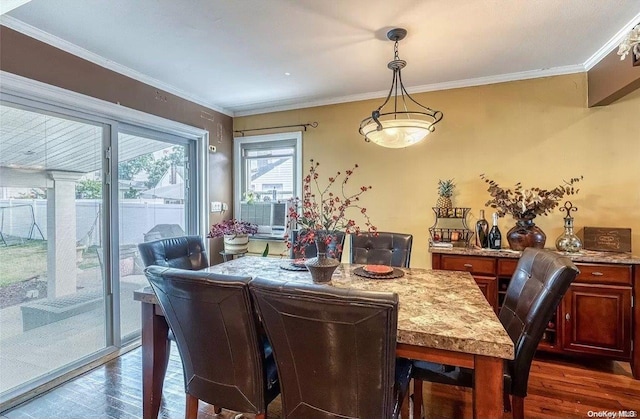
(524,203)
(322,211)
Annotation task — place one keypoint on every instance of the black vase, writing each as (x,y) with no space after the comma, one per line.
(321,267)
(525,234)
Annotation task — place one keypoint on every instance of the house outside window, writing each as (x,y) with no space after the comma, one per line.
(267,174)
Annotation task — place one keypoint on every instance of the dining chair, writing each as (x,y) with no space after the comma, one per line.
(184,252)
(537,286)
(219,339)
(393,249)
(310,250)
(335,349)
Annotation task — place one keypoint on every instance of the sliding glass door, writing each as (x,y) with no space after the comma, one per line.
(53,308)
(78,192)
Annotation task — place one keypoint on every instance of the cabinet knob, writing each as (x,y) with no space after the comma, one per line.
(567,316)
(597,273)
(468,265)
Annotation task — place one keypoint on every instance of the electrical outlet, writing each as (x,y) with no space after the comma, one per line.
(216,206)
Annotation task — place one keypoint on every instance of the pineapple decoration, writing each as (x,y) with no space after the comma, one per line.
(445,191)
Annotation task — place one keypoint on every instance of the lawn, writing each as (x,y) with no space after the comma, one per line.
(25,261)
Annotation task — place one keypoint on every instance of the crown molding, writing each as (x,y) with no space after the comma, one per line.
(40,35)
(457,84)
(611,44)
(300,103)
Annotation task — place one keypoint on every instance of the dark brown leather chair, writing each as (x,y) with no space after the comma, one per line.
(393,249)
(537,286)
(310,250)
(219,340)
(186,252)
(335,350)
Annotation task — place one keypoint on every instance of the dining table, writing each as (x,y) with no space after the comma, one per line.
(443,317)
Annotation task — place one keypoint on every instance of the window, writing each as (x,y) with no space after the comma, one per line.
(267,174)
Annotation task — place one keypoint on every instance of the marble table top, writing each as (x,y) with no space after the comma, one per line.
(437,309)
(582,256)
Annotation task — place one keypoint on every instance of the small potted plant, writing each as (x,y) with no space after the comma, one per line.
(235,233)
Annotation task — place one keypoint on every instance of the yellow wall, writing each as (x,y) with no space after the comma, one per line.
(538,132)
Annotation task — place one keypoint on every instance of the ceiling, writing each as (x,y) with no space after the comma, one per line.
(233,55)
(54,143)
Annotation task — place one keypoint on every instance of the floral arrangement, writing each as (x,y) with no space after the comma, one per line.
(232,227)
(322,211)
(524,203)
(630,44)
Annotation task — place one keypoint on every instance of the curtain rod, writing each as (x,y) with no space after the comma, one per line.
(312,125)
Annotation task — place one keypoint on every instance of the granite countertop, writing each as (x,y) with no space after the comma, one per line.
(438,309)
(582,256)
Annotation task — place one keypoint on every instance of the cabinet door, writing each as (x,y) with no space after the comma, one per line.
(597,320)
(489,287)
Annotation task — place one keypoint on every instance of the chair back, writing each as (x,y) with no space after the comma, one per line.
(214,324)
(334,249)
(186,252)
(537,286)
(334,348)
(393,249)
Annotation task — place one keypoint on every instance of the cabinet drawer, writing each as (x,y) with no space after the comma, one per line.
(506,267)
(476,265)
(604,274)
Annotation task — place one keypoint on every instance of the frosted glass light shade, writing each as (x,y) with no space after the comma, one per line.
(397,133)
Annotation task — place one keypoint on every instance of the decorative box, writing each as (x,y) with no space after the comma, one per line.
(606,239)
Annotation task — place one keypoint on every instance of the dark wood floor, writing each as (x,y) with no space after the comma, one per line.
(558,388)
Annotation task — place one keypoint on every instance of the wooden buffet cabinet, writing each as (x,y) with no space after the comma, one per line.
(598,315)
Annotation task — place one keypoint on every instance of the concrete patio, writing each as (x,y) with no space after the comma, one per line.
(26,355)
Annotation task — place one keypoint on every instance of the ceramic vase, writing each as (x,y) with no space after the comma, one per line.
(236,243)
(526,234)
(321,267)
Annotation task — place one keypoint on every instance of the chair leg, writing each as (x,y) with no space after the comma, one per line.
(417,399)
(518,407)
(191,412)
(506,402)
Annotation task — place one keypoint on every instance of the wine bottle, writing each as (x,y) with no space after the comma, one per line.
(495,238)
(482,231)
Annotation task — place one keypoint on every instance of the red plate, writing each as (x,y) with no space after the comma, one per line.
(378,269)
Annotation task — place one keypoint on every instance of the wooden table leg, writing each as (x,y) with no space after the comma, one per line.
(404,407)
(155,358)
(487,387)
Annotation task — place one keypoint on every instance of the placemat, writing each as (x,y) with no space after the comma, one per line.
(397,273)
(291,267)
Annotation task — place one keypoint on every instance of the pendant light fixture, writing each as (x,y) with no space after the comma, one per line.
(402,127)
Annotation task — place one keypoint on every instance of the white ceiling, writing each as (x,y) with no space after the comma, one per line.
(232,55)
